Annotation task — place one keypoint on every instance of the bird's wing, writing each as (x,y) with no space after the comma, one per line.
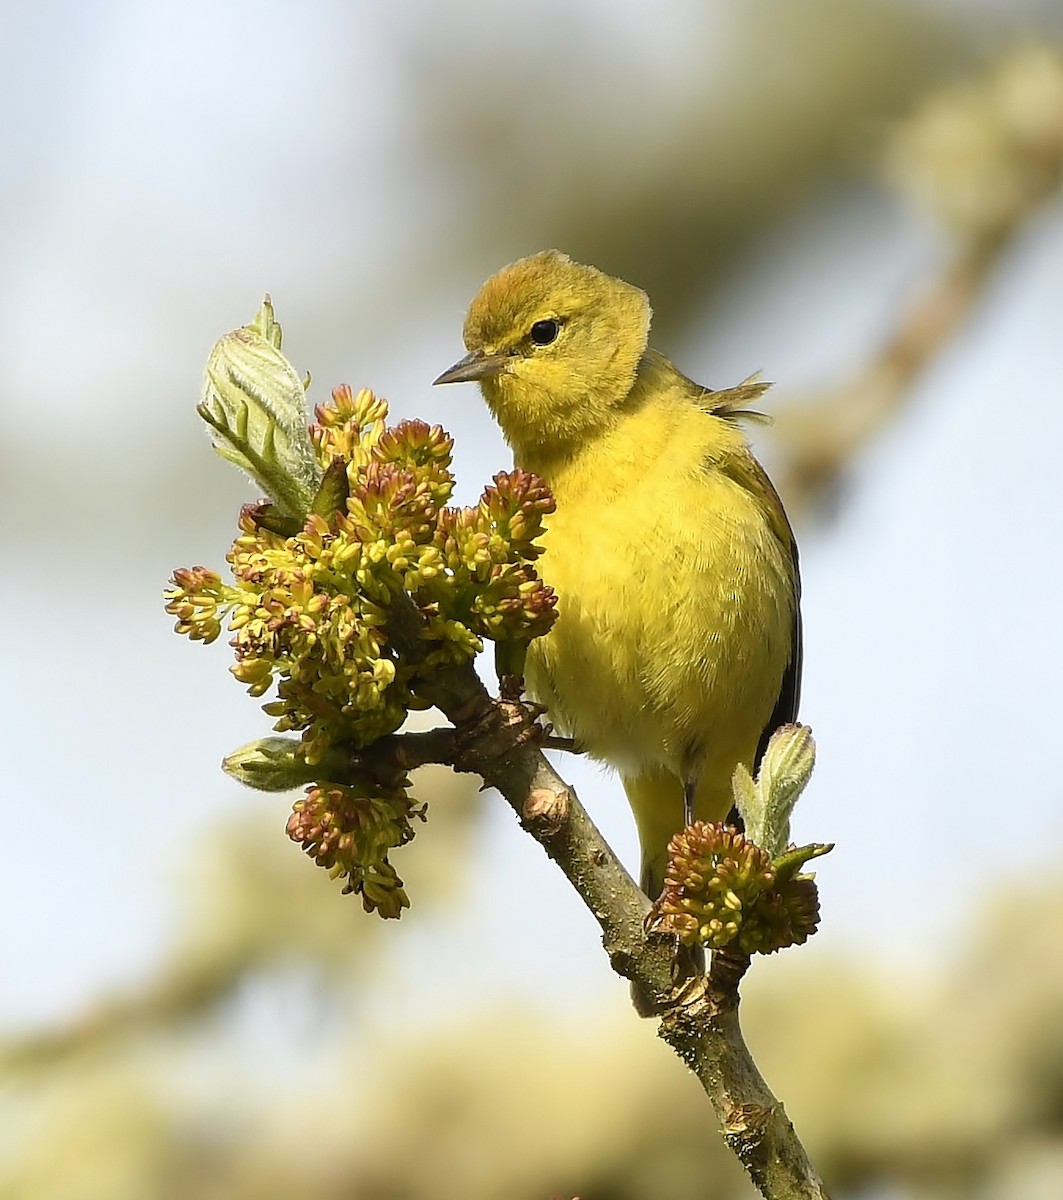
(749,474)
(785,710)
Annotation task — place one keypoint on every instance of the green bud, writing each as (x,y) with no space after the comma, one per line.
(767,803)
(271,764)
(255,405)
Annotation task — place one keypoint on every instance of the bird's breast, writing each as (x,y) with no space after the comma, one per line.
(675,606)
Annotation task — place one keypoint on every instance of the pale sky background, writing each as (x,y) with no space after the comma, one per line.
(166,165)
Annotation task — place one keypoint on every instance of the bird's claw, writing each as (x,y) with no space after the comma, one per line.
(497,729)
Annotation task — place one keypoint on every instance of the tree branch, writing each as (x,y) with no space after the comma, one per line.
(497,741)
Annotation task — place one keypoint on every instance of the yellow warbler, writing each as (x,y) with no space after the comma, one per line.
(677,647)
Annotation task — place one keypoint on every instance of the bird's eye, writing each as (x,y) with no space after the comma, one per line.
(544,332)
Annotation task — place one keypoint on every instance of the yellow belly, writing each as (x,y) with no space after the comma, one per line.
(672,635)
(675,617)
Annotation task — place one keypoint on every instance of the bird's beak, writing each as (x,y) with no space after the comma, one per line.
(476,365)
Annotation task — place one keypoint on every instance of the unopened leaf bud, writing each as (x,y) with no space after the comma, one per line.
(255,405)
(271,764)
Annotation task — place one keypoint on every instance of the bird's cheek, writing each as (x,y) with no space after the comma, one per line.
(500,393)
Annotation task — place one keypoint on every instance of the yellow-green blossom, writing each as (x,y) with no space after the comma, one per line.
(311,598)
(199,599)
(350,833)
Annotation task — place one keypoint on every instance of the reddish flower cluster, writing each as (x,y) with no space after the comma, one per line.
(722,889)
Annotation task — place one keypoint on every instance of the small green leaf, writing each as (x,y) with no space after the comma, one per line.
(335,487)
(269,516)
(266,325)
(791,861)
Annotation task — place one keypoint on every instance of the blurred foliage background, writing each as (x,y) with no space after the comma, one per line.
(863,201)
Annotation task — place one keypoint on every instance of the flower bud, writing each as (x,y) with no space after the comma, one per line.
(722,889)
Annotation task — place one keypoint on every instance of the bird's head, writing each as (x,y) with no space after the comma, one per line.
(555,347)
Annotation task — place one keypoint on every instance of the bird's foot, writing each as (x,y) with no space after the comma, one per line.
(511,690)
(687,977)
(497,728)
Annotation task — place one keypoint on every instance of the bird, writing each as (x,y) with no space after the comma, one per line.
(677,648)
